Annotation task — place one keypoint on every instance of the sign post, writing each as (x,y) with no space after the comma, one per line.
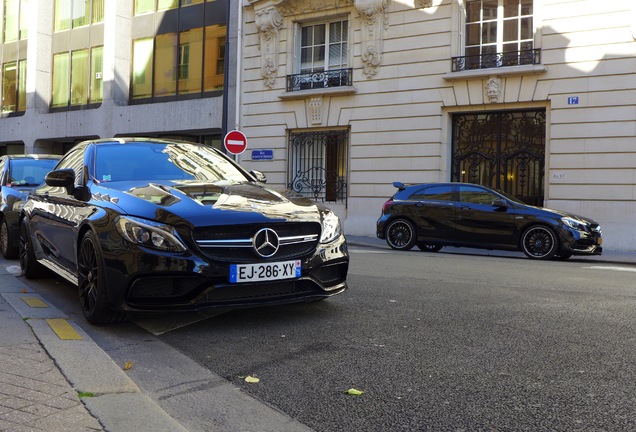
(235,142)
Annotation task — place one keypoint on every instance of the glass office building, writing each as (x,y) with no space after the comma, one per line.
(82,69)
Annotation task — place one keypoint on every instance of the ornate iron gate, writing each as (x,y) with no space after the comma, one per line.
(503,150)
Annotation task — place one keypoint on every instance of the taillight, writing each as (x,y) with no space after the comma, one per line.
(386,205)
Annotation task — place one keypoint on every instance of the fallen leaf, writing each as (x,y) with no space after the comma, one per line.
(128,365)
(251,379)
(354,392)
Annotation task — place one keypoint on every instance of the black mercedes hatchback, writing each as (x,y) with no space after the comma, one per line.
(468,215)
(155,225)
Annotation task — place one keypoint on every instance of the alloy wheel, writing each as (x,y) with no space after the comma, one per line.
(539,242)
(400,234)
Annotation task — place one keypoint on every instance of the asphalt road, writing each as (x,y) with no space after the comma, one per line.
(440,342)
(443,342)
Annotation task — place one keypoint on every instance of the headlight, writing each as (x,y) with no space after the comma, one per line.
(575,223)
(149,234)
(330,227)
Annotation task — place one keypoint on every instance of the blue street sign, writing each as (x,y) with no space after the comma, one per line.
(263,154)
(573,100)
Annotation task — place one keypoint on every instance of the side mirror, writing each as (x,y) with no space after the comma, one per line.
(61,178)
(259,176)
(500,203)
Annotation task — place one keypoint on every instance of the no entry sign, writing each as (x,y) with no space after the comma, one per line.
(235,142)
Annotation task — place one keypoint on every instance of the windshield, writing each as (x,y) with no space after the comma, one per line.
(158,161)
(29,172)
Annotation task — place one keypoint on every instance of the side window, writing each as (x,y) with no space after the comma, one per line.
(2,164)
(434,193)
(75,161)
(475,195)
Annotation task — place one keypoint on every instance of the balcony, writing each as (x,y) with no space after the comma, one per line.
(496,60)
(320,80)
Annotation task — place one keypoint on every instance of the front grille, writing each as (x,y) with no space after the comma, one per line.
(156,289)
(331,274)
(234,243)
(260,292)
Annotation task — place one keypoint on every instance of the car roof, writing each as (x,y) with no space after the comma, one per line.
(403,186)
(33,156)
(127,140)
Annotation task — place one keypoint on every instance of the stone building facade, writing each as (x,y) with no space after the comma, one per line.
(340,98)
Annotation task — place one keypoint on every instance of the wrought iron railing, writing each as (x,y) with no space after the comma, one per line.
(318,165)
(320,185)
(320,80)
(496,60)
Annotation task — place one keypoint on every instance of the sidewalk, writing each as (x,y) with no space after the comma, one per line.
(54,377)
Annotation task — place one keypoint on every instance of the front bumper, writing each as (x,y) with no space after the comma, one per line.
(576,242)
(150,281)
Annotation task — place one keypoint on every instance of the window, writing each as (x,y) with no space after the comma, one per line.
(9,86)
(318,164)
(433,193)
(77,13)
(165,64)
(190,61)
(77,78)
(98,11)
(60,80)
(323,46)
(142,68)
(13,89)
(184,63)
(499,33)
(476,195)
(97,70)
(323,50)
(24,19)
(10,25)
(214,57)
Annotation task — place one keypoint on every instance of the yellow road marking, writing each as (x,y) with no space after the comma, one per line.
(34,302)
(63,329)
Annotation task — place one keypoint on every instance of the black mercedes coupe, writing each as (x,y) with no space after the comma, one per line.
(143,224)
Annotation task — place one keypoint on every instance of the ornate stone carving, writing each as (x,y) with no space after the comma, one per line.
(297,7)
(493,89)
(315,107)
(269,22)
(421,4)
(375,19)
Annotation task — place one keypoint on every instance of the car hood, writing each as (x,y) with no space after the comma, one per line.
(202,203)
(554,213)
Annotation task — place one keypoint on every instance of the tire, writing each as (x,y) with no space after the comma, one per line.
(429,247)
(8,251)
(92,283)
(400,235)
(539,242)
(30,266)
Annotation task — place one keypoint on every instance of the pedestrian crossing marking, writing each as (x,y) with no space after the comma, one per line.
(34,302)
(63,329)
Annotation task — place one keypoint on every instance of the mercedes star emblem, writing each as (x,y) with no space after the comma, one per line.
(266,242)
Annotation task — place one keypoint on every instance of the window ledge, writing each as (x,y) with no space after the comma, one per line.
(334,91)
(501,71)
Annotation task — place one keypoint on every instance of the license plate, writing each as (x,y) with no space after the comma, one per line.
(264,271)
